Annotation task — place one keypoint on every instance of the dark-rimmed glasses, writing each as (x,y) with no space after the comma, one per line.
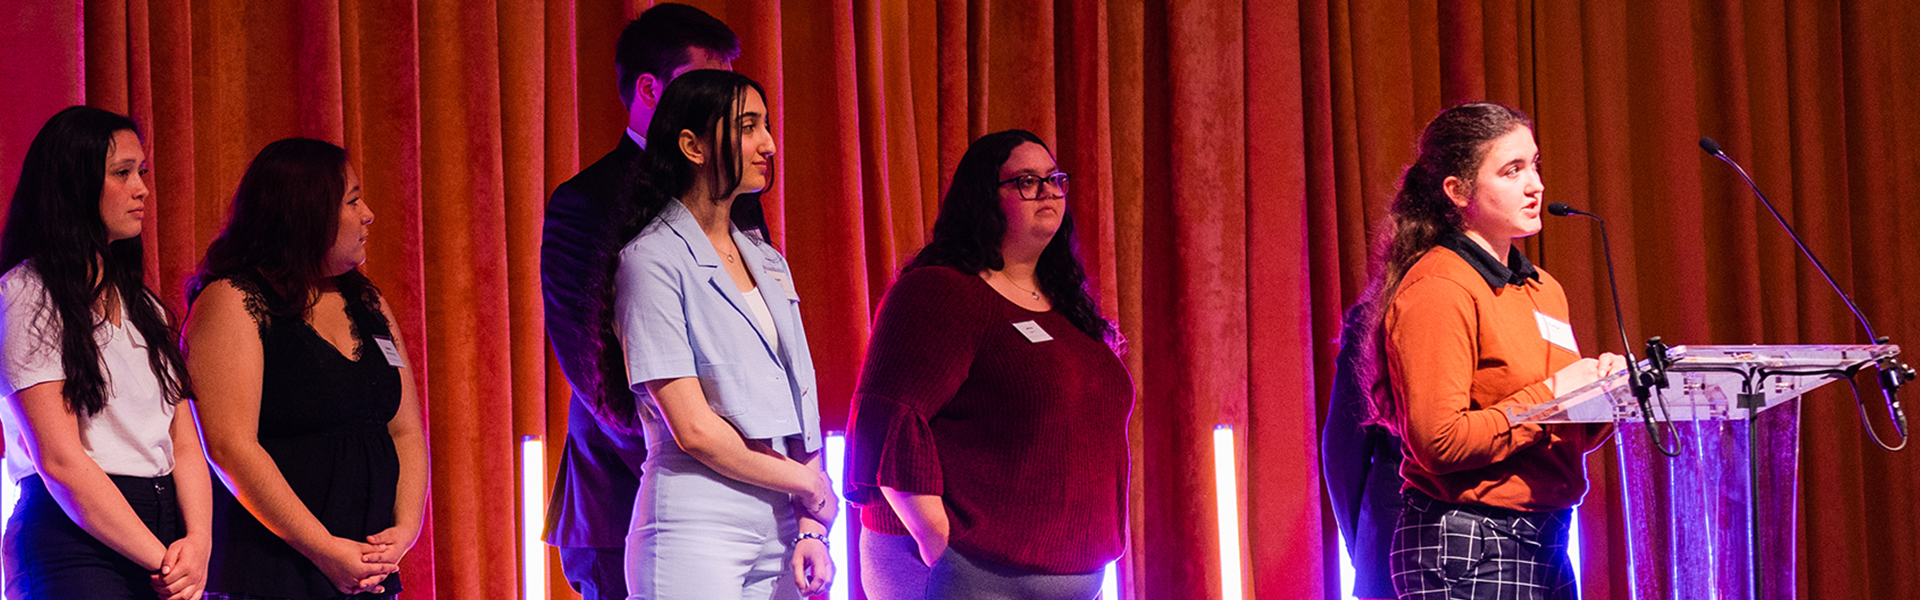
(1029,185)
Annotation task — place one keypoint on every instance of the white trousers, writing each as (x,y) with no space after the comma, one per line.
(697,535)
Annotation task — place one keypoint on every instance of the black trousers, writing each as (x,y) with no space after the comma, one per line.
(597,573)
(1445,551)
(51,558)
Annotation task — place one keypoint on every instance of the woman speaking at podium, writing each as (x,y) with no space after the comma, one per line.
(1464,327)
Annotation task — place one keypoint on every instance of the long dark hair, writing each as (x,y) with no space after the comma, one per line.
(281,224)
(967,234)
(1452,145)
(54,222)
(703,102)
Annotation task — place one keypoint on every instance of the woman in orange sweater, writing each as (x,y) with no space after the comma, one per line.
(1465,327)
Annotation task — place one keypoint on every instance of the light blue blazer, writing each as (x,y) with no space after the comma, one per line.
(678,314)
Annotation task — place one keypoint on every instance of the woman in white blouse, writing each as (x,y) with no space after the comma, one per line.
(114,488)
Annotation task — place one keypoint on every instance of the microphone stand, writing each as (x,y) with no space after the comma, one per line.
(1893,373)
(1643,383)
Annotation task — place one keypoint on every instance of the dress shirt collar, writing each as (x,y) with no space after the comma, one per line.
(1516,271)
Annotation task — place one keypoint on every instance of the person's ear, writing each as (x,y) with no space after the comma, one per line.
(1458,191)
(647,89)
(690,146)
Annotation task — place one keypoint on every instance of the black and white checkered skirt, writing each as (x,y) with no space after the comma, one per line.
(1445,551)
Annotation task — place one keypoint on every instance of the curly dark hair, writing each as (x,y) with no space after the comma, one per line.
(1452,145)
(968,231)
(54,222)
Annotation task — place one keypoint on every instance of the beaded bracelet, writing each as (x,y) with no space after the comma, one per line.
(808,535)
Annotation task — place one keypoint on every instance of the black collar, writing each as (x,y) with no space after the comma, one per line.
(1516,271)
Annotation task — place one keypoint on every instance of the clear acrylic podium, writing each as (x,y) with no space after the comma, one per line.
(1718,520)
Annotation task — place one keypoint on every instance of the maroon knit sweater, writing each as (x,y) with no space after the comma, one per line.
(1025,441)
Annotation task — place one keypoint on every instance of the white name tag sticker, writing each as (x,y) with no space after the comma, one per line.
(391,351)
(1033,331)
(1556,332)
(786,282)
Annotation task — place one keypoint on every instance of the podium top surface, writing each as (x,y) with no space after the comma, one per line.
(1708,383)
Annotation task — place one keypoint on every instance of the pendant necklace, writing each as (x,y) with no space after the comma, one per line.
(1034,294)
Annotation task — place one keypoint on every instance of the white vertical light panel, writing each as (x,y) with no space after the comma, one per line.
(1346,569)
(533,509)
(1110,582)
(9,496)
(1226,492)
(836,449)
(1573,546)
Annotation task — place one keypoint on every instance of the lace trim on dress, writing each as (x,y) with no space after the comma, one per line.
(363,305)
(256,303)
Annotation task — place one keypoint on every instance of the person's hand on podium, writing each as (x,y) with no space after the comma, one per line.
(1611,363)
(1585,371)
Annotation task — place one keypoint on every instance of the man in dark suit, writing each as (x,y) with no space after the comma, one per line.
(599,476)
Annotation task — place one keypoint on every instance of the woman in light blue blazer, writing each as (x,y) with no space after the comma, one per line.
(733,501)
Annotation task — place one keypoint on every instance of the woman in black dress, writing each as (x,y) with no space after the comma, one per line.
(309,408)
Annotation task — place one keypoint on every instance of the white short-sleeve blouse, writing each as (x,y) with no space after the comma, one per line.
(131,436)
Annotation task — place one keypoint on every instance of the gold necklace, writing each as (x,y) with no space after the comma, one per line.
(1034,294)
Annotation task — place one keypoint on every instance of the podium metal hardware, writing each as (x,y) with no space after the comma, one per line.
(1717,520)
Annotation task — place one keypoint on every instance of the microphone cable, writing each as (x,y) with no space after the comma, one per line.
(1655,379)
(1893,373)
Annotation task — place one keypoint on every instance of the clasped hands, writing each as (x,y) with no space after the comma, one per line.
(183,571)
(361,567)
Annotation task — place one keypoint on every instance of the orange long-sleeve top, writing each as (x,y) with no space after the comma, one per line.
(1462,342)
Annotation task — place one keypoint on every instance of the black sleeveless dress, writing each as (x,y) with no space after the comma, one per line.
(323,419)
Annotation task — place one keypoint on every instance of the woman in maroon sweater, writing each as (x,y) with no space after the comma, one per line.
(991,414)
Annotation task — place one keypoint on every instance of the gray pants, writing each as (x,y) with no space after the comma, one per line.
(959,577)
(890,567)
(698,535)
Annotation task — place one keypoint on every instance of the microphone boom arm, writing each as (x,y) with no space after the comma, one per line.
(1642,383)
(1893,373)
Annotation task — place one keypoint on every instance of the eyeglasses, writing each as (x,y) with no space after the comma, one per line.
(1029,185)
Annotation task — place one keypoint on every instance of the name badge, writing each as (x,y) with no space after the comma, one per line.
(391,351)
(1033,331)
(786,283)
(1556,332)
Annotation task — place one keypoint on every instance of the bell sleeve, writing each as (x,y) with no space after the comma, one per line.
(923,343)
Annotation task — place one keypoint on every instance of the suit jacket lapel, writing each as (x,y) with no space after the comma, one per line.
(707,260)
(773,289)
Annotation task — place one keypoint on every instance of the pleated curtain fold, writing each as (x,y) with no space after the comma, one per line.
(1229,159)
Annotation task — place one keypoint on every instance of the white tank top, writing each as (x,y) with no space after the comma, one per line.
(763,317)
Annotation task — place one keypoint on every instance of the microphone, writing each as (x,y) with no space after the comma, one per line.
(1642,383)
(1713,149)
(1892,373)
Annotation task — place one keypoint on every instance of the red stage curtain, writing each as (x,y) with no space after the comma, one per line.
(1231,157)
